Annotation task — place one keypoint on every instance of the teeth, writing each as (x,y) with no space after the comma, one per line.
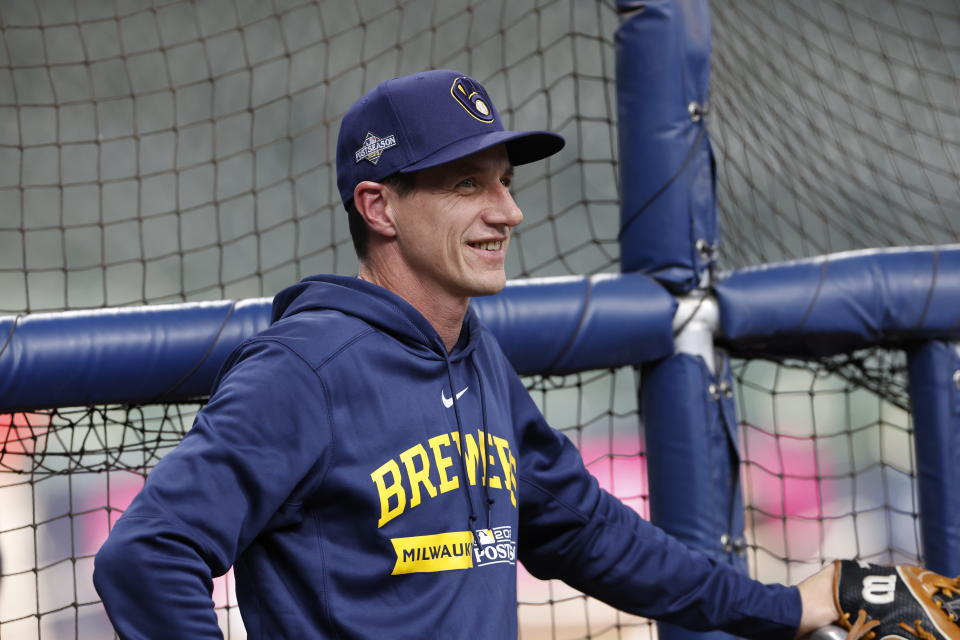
(493,245)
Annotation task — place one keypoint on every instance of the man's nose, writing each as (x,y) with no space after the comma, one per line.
(504,209)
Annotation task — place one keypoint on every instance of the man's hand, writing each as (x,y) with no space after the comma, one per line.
(816,594)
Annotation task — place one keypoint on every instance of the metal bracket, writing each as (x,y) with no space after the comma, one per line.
(694,323)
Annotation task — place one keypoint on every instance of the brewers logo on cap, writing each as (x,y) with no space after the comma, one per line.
(473,97)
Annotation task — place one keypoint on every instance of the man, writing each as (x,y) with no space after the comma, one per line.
(371,465)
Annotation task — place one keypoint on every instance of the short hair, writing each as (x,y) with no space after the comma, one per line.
(403,184)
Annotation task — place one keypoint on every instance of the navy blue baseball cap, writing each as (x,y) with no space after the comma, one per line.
(424,120)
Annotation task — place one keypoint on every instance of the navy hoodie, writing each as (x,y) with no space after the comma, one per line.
(362,481)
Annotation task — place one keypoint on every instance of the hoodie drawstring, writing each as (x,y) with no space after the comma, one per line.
(463,464)
(486,425)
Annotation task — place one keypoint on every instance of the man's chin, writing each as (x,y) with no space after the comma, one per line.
(492,287)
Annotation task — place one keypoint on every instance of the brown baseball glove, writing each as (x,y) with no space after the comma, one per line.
(901,602)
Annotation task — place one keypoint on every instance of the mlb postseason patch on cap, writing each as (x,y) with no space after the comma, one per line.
(373,147)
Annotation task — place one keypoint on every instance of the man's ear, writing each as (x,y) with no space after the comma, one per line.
(372,200)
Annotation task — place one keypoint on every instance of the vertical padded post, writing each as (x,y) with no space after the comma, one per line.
(668,221)
(934,370)
(693,461)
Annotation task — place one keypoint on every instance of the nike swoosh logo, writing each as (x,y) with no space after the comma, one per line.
(448,402)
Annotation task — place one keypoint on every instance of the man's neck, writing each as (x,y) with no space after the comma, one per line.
(443,312)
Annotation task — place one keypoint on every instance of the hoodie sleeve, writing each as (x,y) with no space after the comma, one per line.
(573,530)
(264,431)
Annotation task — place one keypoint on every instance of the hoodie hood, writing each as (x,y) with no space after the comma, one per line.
(397,318)
(377,307)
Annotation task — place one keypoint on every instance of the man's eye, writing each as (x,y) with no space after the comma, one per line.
(467,183)
(506,182)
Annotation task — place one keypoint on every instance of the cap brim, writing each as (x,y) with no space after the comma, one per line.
(522,147)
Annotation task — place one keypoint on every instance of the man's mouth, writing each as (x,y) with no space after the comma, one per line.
(489,245)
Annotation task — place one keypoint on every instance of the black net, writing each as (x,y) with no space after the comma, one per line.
(836,125)
(65,477)
(828,464)
(168,151)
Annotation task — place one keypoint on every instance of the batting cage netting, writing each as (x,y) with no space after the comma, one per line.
(166,152)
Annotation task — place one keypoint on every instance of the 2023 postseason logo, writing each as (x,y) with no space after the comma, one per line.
(373,147)
(454,550)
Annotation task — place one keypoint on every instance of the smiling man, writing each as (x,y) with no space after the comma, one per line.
(371,464)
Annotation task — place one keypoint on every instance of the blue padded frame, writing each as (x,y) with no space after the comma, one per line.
(668,224)
(934,378)
(173,352)
(842,302)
